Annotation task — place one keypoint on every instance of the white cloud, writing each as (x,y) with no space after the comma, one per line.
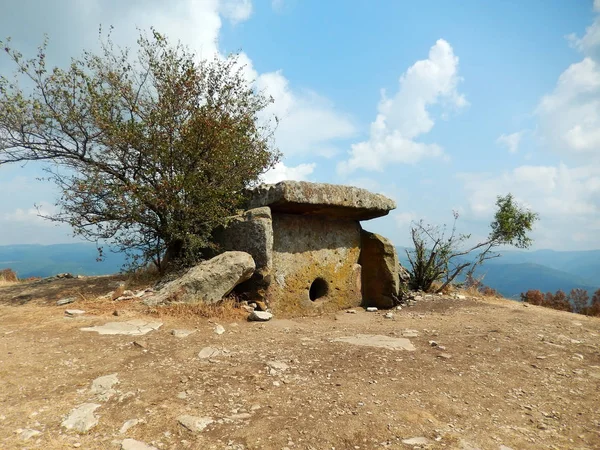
(569,117)
(308,123)
(403,219)
(277,5)
(511,141)
(282,172)
(32,215)
(406,116)
(236,10)
(566,198)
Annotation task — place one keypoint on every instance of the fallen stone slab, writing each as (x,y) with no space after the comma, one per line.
(374,340)
(65,301)
(182,333)
(416,441)
(209,352)
(207,282)
(129,424)
(301,197)
(194,424)
(28,433)
(132,444)
(82,418)
(136,327)
(260,316)
(103,386)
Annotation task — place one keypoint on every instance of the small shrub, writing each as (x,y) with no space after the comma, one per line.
(8,276)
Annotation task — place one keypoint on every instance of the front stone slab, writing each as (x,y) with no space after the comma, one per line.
(314,265)
(301,197)
(380,278)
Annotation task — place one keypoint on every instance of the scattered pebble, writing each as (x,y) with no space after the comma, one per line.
(219,329)
(129,424)
(65,301)
(182,333)
(194,424)
(74,312)
(260,316)
(371,309)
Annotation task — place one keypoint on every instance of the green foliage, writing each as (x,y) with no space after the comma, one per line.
(439,257)
(150,152)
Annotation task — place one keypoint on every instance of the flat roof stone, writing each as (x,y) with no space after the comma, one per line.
(332,200)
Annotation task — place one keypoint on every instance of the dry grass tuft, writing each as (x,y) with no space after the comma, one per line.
(8,277)
(144,276)
(224,310)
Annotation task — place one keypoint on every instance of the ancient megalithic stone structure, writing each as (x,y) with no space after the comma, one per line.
(310,250)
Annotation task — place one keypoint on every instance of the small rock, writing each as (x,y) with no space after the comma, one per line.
(260,316)
(182,395)
(182,333)
(65,301)
(240,416)
(372,309)
(82,418)
(103,386)
(136,327)
(74,312)
(444,356)
(277,366)
(209,352)
(416,441)
(115,313)
(132,444)
(389,315)
(398,308)
(351,311)
(460,296)
(194,424)
(276,383)
(261,306)
(219,329)
(28,433)
(247,308)
(433,343)
(129,424)
(253,305)
(410,333)
(504,447)
(140,344)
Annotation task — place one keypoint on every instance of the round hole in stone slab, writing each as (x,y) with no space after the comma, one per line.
(318,289)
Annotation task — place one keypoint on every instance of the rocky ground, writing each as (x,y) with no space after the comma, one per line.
(454,373)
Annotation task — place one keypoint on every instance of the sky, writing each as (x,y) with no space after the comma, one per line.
(442,106)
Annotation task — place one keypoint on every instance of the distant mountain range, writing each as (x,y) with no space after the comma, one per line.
(546,270)
(45,260)
(514,272)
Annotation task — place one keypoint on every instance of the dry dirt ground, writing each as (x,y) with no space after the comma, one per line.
(506,375)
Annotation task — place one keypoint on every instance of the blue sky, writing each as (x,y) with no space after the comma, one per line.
(439,106)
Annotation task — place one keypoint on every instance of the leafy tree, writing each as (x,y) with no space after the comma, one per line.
(561,302)
(150,152)
(437,256)
(534,297)
(594,309)
(579,299)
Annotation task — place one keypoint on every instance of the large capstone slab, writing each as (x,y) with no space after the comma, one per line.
(301,197)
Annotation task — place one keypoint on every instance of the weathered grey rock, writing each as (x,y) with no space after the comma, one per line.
(132,444)
(302,197)
(209,281)
(276,367)
(389,315)
(380,279)
(28,433)
(250,232)
(209,352)
(260,316)
(182,333)
(219,329)
(136,327)
(65,301)
(371,309)
(194,424)
(74,312)
(403,274)
(373,340)
(410,333)
(416,441)
(103,386)
(129,424)
(82,418)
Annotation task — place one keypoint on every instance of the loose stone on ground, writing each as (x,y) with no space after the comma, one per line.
(136,327)
(82,418)
(194,424)
(374,340)
(132,444)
